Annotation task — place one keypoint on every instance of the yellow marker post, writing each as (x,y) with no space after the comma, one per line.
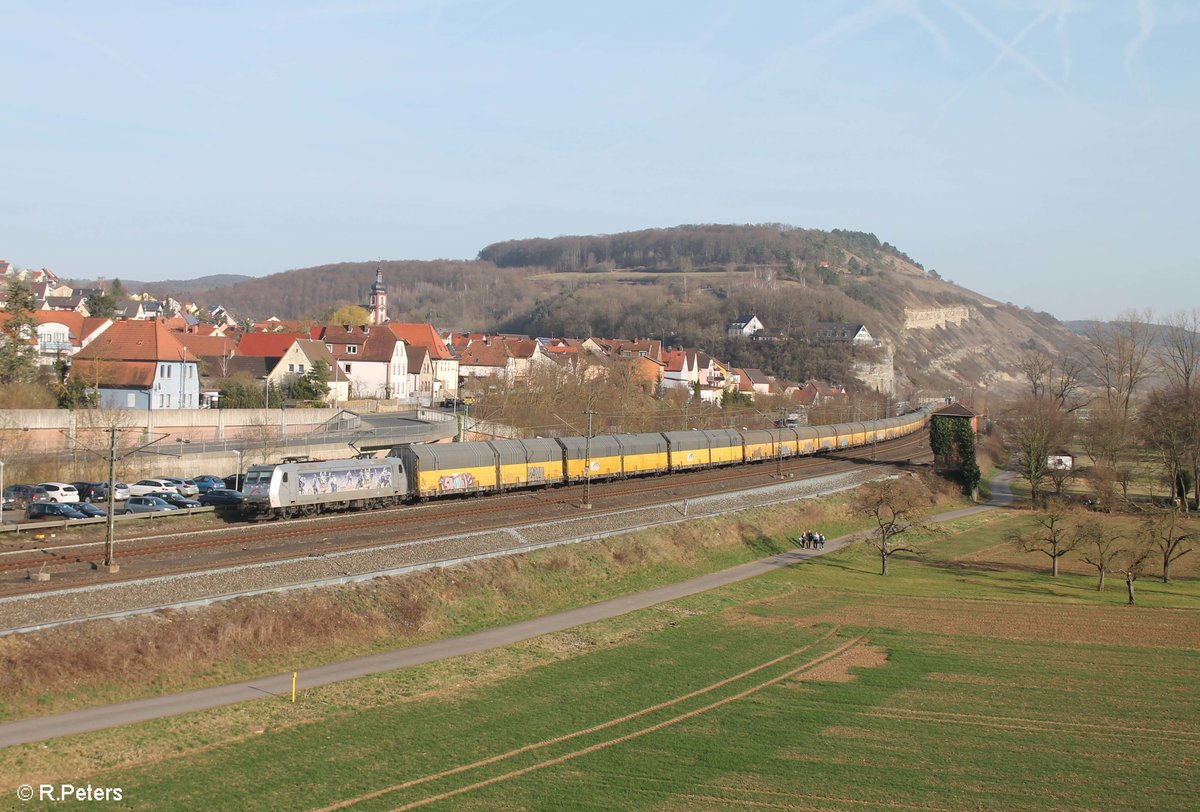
(293,686)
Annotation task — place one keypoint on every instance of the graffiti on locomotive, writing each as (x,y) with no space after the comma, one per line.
(313,483)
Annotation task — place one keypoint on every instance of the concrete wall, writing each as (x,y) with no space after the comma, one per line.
(32,430)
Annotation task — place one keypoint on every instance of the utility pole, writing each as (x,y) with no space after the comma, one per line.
(779,445)
(687,403)
(587,462)
(110,534)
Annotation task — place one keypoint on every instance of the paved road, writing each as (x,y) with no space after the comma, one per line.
(99,718)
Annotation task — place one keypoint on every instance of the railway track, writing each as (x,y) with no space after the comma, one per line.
(253,543)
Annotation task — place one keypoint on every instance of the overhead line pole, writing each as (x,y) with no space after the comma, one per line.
(587,462)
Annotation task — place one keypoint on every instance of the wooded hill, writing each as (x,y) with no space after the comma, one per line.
(684,285)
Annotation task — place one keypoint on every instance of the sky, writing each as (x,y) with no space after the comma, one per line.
(1041,153)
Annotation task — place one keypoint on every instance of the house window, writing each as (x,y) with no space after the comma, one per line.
(300,369)
(129,398)
(162,370)
(346,367)
(291,367)
(329,347)
(352,349)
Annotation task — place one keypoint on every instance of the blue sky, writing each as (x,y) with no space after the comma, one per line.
(1043,153)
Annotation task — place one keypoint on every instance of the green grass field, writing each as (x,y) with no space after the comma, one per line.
(961,681)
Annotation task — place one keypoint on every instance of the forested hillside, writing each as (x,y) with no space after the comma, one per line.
(683,285)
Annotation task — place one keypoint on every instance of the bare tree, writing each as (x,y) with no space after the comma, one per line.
(1179,356)
(1100,547)
(1169,533)
(1167,426)
(1119,355)
(1179,351)
(1051,535)
(1035,429)
(1132,561)
(895,505)
(1035,367)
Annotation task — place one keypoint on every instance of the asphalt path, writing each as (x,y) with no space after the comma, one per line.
(280,685)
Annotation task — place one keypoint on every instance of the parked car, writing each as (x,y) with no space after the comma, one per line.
(120,492)
(146,504)
(145,486)
(7,500)
(234,482)
(52,510)
(25,495)
(63,492)
(90,511)
(175,499)
(222,498)
(92,491)
(206,482)
(185,487)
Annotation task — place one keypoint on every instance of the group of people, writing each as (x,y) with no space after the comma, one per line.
(812,540)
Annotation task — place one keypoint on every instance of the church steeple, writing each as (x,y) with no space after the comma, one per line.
(377,305)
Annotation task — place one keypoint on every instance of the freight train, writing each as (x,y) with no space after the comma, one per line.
(417,472)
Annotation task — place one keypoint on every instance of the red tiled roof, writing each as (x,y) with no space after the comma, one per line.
(267,345)
(114,373)
(208,345)
(483,355)
(422,335)
(374,343)
(135,341)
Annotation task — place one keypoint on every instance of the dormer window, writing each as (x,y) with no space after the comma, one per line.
(352,349)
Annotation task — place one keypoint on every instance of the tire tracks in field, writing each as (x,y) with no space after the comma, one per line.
(1035,725)
(839,651)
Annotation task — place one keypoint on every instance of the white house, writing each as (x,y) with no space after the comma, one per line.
(745,326)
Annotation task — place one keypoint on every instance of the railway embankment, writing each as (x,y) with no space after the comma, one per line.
(122,658)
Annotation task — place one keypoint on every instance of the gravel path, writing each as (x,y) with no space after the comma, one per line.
(25,613)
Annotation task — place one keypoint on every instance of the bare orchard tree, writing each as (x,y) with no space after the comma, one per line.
(1098,545)
(1051,534)
(1131,563)
(896,505)
(1035,429)
(1169,533)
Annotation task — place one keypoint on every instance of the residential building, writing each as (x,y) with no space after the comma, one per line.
(373,358)
(745,326)
(444,362)
(139,365)
(841,333)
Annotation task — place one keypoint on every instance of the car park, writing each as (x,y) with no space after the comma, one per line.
(52,510)
(175,499)
(222,498)
(63,492)
(120,492)
(184,487)
(147,504)
(90,511)
(206,482)
(25,495)
(7,502)
(145,486)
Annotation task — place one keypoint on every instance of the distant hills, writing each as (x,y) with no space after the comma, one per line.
(683,285)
